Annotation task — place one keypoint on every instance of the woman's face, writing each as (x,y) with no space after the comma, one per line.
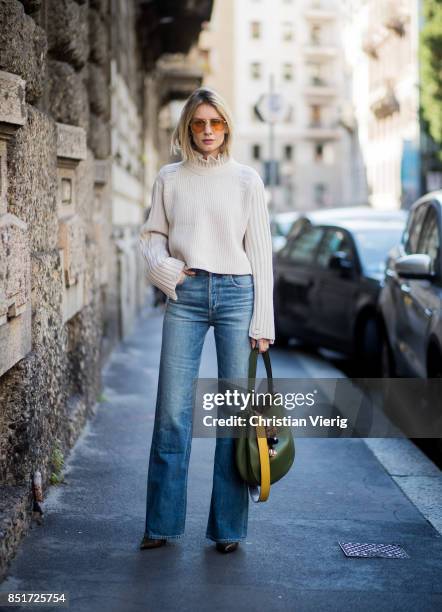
(207,139)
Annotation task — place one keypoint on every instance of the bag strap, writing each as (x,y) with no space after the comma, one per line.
(253,362)
(261,437)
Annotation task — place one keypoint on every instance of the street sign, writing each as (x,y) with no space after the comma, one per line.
(271,108)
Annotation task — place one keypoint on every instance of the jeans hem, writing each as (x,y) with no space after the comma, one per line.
(232,539)
(163,537)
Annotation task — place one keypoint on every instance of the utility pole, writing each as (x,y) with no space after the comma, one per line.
(271,108)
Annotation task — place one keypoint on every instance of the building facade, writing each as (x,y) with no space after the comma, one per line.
(295,45)
(382,38)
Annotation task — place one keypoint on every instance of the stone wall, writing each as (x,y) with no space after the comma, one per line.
(79,95)
(60,254)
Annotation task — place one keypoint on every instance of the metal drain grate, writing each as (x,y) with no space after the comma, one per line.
(357,549)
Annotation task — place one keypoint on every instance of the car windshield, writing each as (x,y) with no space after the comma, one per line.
(282,227)
(374,244)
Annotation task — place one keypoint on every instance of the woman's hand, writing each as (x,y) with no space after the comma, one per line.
(185,272)
(263,344)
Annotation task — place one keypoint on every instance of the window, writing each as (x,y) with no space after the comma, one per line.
(287,31)
(315,115)
(288,152)
(315,70)
(319,152)
(256,151)
(335,240)
(303,248)
(413,229)
(319,194)
(255,29)
(287,71)
(315,35)
(255,70)
(429,238)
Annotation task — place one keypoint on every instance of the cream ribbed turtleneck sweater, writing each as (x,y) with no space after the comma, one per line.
(211,214)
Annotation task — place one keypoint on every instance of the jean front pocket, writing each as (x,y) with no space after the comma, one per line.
(244,281)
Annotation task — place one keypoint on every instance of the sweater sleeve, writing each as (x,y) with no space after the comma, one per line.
(258,247)
(163,271)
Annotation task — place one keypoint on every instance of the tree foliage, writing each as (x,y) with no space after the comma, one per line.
(431,68)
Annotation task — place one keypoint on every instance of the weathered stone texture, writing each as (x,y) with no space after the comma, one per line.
(33,179)
(98,89)
(32,392)
(12,99)
(31,6)
(85,194)
(99,137)
(14,272)
(102,6)
(68,99)
(71,142)
(98,39)
(15,516)
(71,236)
(23,47)
(68,32)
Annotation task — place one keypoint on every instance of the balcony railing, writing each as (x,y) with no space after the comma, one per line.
(321,130)
(320,87)
(319,49)
(320,11)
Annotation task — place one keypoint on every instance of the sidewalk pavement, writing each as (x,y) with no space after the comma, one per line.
(291,561)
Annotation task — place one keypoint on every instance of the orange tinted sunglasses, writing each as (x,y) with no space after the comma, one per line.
(198,125)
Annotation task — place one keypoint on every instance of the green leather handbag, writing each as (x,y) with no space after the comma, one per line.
(266,453)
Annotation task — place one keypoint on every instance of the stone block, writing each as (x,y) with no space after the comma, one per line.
(102,172)
(71,239)
(68,99)
(31,6)
(15,291)
(23,47)
(68,32)
(98,89)
(14,275)
(98,39)
(102,6)
(12,99)
(71,142)
(99,137)
(3,178)
(32,177)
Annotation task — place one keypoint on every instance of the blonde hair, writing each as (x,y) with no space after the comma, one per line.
(182,138)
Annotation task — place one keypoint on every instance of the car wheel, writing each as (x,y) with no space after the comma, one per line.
(369,348)
(435,365)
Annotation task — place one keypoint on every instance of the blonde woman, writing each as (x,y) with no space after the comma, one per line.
(207,246)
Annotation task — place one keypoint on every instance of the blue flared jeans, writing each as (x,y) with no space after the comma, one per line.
(226,302)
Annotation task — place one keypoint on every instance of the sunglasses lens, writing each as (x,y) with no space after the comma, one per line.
(198,125)
(217,125)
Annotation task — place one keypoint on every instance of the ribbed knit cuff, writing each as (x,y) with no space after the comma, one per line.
(167,275)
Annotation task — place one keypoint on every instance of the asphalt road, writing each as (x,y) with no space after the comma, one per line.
(338,490)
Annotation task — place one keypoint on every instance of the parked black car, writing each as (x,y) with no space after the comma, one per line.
(328,278)
(411,300)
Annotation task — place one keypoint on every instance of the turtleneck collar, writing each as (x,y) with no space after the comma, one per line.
(201,165)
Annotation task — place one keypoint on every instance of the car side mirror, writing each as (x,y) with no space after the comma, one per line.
(417,266)
(340,261)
